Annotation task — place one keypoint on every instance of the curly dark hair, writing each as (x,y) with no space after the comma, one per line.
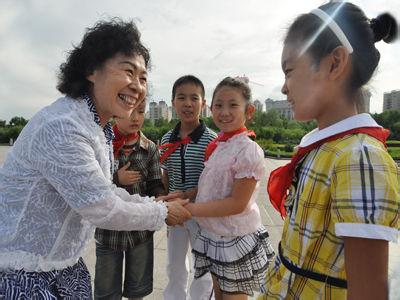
(101,42)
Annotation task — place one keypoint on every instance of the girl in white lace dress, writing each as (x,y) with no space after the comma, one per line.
(231,243)
(55,184)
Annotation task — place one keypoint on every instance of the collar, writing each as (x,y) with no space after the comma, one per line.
(108,132)
(249,134)
(195,135)
(357,121)
(143,141)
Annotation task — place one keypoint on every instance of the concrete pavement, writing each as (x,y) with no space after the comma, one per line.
(271,220)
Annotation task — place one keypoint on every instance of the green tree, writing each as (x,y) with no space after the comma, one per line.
(273,118)
(260,118)
(210,124)
(18,121)
(395,131)
(7,133)
(161,123)
(265,132)
(389,119)
(147,123)
(152,133)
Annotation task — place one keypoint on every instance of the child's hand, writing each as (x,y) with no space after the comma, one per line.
(126,177)
(172,196)
(177,213)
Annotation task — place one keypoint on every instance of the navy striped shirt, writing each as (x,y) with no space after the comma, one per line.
(186,163)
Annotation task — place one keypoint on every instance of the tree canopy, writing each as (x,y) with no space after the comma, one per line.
(270,127)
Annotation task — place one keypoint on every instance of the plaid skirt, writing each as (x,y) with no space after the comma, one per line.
(238,263)
(71,283)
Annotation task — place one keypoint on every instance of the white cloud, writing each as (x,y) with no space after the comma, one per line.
(211,39)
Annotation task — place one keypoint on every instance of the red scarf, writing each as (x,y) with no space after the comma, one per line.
(281,178)
(171,147)
(120,139)
(223,137)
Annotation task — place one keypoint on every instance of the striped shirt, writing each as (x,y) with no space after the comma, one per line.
(346,187)
(144,158)
(186,163)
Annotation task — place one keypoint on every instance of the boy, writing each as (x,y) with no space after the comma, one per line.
(182,163)
(138,163)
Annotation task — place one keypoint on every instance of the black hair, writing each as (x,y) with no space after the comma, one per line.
(361,32)
(188,79)
(236,83)
(101,42)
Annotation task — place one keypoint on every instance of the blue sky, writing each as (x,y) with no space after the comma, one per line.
(210,38)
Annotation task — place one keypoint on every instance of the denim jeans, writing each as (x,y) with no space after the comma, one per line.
(138,279)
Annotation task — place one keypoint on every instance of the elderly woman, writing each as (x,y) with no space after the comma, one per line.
(55,185)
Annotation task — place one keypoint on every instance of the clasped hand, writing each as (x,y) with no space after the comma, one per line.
(177,213)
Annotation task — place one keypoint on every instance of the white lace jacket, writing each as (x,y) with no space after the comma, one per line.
(55,187)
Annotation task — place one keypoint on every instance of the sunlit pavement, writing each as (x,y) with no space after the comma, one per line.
(271,220)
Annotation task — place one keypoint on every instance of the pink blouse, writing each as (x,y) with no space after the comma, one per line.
(239,157)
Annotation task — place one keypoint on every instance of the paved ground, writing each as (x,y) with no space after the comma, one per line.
(273,223)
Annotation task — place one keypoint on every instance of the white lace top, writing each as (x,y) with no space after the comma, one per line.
(239,157)
(55,187)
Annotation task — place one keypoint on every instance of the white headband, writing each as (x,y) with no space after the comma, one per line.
(329,21)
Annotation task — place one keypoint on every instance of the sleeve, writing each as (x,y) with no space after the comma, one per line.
(365,195)
(249,163)
(66,158)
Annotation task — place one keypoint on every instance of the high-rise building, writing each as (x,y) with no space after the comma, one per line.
(391,100)
(174,115)
(159,111)
(205,112)
(163,107)
(153,111)
(258,105)
(282,106)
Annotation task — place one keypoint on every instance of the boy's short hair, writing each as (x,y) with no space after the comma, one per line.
(185,80)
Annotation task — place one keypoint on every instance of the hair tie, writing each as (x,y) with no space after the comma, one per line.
(384,28)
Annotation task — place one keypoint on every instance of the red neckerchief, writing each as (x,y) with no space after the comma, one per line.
(223,137)
(121,139)
(171,147)
(281,178)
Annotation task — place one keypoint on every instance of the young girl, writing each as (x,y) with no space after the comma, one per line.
(343,202)
(231,243)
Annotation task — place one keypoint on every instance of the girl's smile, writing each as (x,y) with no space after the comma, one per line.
(229,109)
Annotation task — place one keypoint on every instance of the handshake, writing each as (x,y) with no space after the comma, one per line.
(175,203)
